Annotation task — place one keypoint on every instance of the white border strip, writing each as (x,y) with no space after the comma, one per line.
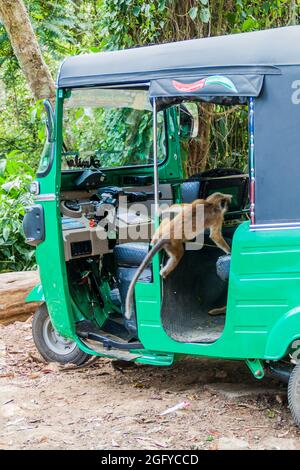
(268,227)
(45,197)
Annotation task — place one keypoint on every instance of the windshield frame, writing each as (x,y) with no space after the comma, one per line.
(138,86)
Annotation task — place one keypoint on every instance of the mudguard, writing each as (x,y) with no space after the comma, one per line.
(36,294)
(283,333)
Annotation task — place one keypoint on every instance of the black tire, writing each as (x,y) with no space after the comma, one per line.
(294,394)
(52,346)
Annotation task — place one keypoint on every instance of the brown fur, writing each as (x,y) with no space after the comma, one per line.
(171,235)
(217,311)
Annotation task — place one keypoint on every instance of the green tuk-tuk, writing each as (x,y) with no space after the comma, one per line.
(115,156)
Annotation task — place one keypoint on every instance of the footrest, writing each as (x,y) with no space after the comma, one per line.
(87,330)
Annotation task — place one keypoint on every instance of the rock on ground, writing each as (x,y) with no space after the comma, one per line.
(232,443)
(14,287)
(277,443)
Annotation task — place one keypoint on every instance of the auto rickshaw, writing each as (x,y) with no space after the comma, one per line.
(116,135)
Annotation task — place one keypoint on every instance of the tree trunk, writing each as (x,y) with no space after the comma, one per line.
(16,21)
(14,287)
(180,27)
(198,149)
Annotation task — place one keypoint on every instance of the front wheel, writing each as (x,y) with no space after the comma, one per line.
(51,345)
(294,394)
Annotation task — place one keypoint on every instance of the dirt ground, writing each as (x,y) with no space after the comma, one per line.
(108,406)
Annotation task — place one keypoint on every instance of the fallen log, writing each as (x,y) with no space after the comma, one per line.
(14,287)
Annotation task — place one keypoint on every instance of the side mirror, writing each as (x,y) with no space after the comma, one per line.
(49,120)
(188,120)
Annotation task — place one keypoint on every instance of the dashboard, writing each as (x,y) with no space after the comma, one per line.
(94,220)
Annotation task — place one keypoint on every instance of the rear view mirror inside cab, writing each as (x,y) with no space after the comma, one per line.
(189,120)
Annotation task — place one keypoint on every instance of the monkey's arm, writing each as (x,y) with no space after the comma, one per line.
(217,237)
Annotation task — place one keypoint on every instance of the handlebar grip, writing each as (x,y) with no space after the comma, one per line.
(152,195)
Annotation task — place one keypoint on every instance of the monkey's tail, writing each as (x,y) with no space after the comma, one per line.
(146,261)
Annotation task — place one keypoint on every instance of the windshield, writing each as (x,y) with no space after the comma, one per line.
(106,128)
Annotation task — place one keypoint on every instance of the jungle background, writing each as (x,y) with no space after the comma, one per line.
(35,36)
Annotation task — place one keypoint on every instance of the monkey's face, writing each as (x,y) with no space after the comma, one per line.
(225,201)
(221,200)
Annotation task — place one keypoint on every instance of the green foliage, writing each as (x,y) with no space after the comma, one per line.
(15,176)
(130,23)
(69,27)
(127,137)
(229,138)
(256,14)
(200,11)
(117,136)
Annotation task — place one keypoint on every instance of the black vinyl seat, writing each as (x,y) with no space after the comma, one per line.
(223,267)
(130,254)
(190,191)
(128,257)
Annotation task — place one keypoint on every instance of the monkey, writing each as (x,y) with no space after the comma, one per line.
(171,235)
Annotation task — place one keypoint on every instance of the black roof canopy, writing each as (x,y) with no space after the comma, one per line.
(264,65)
(255,52)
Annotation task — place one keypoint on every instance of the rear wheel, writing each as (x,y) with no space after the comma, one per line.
(51,345)
(294,394)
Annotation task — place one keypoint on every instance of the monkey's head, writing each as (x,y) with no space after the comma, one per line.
(221,200)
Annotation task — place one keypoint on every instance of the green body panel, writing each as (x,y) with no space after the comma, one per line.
(256,367)
(36,294)
(50,253)
(264,290)
(156,359)
(263,309)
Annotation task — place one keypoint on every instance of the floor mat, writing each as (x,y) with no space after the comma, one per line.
(189,292)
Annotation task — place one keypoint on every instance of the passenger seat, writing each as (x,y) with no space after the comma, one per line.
(190,191)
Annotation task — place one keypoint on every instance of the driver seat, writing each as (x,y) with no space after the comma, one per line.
(128,257)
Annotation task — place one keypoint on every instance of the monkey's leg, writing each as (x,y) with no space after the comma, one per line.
(175,254)
(217,237)
(217,311)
